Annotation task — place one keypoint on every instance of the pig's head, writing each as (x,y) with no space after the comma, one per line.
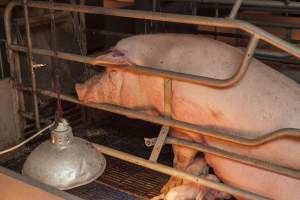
(102,88)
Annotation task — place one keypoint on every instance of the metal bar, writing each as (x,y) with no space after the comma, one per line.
(278,4)
(287,132)
(236,6)
(293,173)
(83,50)
(53,46)
(196,20)
(159,143)
(186,19)
(173,172)
(43,19)
(30,62)
(177,18)
(206,81)
(30,116)
(111,33)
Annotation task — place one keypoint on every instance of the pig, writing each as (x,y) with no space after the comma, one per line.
(263,101)
(190,190)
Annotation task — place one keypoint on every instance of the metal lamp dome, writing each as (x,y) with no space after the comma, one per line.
(66,161)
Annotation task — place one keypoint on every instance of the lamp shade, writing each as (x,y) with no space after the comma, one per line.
(64,162)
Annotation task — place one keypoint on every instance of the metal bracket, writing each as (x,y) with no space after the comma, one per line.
(159,143)
(38,65)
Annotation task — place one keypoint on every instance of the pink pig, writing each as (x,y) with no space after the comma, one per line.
(262,102)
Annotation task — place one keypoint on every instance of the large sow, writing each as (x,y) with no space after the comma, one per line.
(262,102)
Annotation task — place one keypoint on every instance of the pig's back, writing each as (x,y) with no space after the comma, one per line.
(263,101)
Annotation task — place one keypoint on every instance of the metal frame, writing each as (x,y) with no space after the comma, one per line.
(256,35)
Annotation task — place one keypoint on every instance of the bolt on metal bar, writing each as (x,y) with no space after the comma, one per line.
(30,62)
(173,172)
(282,133)
(293,173)
(236,6)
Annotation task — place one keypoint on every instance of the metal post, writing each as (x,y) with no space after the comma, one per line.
(235,9)
(30,62)
(165,129)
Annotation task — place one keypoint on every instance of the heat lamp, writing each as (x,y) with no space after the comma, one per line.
(64,161)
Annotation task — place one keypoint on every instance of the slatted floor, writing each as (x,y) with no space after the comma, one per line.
(121,180)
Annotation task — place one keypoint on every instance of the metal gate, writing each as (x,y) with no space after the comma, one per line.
(256,34)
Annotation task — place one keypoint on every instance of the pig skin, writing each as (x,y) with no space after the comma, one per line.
(190,190)
(262,102)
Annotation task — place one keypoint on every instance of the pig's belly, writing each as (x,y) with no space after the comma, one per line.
(255,180)
(283,152)
(212,109)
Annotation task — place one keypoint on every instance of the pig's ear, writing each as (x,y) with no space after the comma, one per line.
(115,57)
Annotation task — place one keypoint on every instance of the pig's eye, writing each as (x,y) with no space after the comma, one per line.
(117,53)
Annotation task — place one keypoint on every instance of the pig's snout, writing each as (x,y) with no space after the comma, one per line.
(81,91)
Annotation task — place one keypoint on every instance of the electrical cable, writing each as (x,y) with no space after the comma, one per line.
(27,140)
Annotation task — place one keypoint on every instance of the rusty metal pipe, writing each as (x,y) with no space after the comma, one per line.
(293,173)
(174,172)
(282,133)
(30,62)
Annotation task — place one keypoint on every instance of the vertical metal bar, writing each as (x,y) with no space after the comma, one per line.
(53,46)
(83,50)
(216,15)
(30,61)
(235,9)
(165,129)
(154,9)
(167,97)
(245,62)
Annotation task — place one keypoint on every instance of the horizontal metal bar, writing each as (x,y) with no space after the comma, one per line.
(186,19)
(288,132)
(174,172)
(30,116)
(196,20)
(43,19)
(270,3)
(293,173)
(217,83)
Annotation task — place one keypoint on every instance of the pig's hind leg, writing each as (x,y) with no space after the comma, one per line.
(183,157)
